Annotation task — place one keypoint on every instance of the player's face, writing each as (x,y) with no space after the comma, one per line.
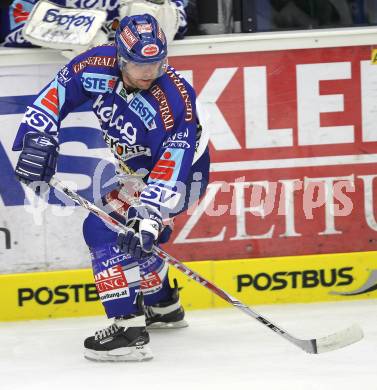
(141,76)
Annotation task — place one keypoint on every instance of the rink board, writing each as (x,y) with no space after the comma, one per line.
(312,278)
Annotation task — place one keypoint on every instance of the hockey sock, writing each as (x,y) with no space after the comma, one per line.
(154,280)
(117,279)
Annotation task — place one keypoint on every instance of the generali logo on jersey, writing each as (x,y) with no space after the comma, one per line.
(183,92)
(165,111)
(97,61)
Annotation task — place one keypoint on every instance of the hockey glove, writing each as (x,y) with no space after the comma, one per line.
(38,158)
(144,225)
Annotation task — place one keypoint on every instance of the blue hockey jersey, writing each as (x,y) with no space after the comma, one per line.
(152,133)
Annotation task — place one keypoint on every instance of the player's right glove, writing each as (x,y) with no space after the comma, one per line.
(144,225)
(38,158)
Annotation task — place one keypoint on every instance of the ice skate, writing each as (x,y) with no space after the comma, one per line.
(166,315)
(124,340)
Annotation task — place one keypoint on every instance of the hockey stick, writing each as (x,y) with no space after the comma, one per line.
(324,344)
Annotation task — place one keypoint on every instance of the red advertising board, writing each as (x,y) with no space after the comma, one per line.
(293,139)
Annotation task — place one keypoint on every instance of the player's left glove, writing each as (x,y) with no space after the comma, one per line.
(144,225)
(38,158)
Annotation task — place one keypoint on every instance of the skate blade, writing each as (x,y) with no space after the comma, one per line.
(168,325)
(127,354)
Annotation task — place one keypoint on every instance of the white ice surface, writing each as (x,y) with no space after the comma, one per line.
(222,349)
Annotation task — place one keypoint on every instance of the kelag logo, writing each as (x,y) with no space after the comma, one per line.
(53,15)
(60,294)
(296,279)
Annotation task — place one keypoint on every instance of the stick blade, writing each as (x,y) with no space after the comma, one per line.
(340,339)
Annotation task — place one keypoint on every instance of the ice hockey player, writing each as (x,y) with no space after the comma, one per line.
(148,117)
